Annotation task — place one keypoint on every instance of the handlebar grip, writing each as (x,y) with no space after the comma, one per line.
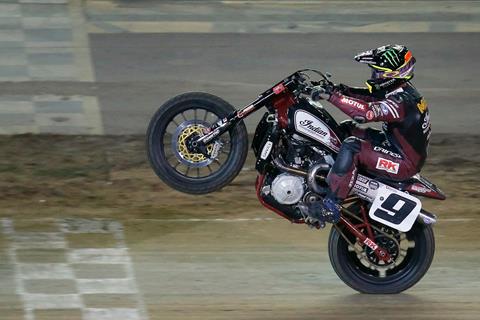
(316,93)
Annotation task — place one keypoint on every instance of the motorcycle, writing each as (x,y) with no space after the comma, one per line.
(197,143)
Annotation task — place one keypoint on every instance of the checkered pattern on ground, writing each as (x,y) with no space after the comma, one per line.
(77,266)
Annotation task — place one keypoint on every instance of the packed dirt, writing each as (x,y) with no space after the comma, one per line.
(109,176)
(211,268)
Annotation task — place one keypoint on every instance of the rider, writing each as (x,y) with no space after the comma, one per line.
(396,152)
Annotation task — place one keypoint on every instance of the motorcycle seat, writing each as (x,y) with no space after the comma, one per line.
(416,184)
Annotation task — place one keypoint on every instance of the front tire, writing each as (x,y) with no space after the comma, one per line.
(179,119)
(359,275)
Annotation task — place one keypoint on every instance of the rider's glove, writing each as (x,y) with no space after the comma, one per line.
(323,91)
(319,93)
(340,88)
(347,127)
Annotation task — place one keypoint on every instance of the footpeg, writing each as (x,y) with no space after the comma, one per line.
(310,220)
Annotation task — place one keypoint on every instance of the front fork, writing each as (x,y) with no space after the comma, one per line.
(279,91)
(199,143)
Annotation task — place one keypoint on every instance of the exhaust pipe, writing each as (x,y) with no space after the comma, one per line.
(426,217)
(280,164)
(312,177)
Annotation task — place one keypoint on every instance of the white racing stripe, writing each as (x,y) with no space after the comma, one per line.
(391,109)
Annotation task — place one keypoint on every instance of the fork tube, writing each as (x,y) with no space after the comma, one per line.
(231,120)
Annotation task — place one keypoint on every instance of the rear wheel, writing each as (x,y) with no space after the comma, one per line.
(181,119)
(356,264)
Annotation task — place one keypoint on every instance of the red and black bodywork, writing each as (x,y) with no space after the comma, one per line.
(284,102)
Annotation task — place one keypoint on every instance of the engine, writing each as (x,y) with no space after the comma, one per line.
(300,153)
(291,189)
(284,185)
(288,189)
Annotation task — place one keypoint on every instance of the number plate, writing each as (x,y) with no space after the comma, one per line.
(395,209)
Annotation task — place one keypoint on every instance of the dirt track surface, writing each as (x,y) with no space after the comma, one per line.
(95,175)
(218,267)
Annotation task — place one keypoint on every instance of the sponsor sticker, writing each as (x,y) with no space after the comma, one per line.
(370,244)
(394,91)
(308,124)
(370,115)
(244,112)
(362,179)
(354,103)
(426,123)
(352,178)
(315,128)
(385,151)
(387,165)
(384,109)
(373,185)
(267,148)
(420,189)
(390,107)
(361,188)
(422,105)
(278,88)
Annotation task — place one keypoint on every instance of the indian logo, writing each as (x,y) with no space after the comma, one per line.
(313,127)
(308,125)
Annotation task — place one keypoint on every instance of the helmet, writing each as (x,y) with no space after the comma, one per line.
(389,62)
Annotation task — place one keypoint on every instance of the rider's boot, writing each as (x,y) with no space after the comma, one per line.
(327,210)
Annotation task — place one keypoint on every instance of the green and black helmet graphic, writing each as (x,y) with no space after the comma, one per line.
(390,61)
(388,58)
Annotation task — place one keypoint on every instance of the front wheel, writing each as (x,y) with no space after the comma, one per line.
(358,267)
(176,122)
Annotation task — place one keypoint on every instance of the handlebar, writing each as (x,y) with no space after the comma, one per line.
(313,88)
(316,93)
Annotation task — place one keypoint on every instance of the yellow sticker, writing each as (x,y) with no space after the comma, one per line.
(422,105)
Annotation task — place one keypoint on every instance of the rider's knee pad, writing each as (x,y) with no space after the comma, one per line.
(344,161)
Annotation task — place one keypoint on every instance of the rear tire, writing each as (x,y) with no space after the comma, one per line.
(356,275)
(158,149)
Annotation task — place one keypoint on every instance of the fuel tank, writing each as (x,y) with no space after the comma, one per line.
(314,123)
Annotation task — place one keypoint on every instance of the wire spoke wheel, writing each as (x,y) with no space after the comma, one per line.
(172,129)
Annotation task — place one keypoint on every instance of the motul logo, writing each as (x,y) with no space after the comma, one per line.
(387,165)
(354,103)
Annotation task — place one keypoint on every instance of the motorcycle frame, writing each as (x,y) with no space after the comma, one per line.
(281,97)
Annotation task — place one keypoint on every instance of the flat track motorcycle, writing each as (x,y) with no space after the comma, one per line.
(197,143)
